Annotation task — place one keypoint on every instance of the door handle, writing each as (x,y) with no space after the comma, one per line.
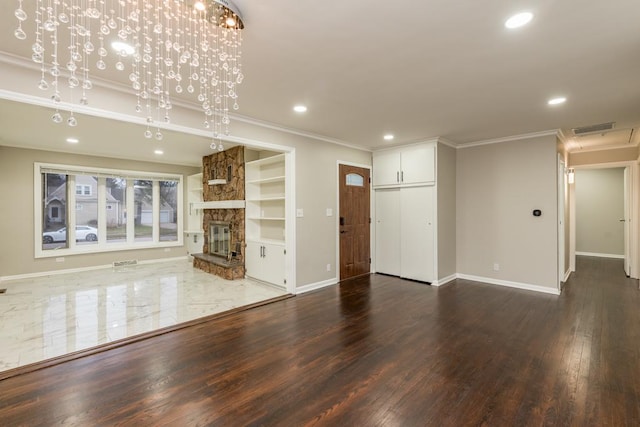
(397,176)
(342,231)
(621,220)
(402,176)
(264,251)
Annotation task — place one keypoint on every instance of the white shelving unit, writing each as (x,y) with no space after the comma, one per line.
(193,230)
(265,219)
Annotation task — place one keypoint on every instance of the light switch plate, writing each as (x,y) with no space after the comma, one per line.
(329,212)
(299,213)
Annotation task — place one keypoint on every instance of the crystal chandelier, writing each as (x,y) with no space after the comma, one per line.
(167,47)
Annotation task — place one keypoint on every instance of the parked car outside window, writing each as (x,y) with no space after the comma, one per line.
(83,232)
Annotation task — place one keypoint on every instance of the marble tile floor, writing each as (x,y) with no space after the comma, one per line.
(54,315)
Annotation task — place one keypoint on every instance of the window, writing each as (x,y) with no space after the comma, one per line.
(355,180)
(83,190)
(102,199)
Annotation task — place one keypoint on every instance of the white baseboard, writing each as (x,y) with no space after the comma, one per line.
(82,269)
(600,255)
(444,280)
(318,285)
(566,275)
(518,285)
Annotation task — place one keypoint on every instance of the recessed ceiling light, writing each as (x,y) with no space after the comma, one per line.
(558,100)
(519,20)
(73,140)
(388,137)
(158,152)
(123,48)
(300,109)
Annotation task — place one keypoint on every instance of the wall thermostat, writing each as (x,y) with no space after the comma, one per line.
(537,212)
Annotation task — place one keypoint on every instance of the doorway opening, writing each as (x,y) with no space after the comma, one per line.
(603,214)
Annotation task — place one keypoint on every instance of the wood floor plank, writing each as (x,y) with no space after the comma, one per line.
(373,351)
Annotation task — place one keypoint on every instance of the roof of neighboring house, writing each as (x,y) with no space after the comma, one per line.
(60,193)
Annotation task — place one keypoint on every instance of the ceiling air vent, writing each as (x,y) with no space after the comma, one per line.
(600,128)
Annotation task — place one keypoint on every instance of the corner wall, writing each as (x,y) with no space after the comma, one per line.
(446,188)
(498,187)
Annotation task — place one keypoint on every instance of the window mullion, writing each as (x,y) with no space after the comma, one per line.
(71,211)
(131,209)
(102,211)
(156,211)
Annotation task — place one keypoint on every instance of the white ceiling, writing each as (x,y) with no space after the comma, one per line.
(437,68)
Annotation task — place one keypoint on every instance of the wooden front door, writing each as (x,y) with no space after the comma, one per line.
(355,219)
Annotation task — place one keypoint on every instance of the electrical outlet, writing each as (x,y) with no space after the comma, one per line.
(496,267)
(328,267)
(299,213)
(60,259)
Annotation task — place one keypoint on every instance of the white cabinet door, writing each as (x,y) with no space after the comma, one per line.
(418,164)
(417,233)
(265,262)
(386,168)
(253,260)
(404,166)
(273,264)
(388,231)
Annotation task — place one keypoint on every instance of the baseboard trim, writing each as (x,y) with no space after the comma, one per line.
(509,284)
(83,269)
(317,285)
(444,280)
(599,255)
(566,275)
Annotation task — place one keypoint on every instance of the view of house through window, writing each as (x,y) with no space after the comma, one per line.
(101,211)
(54,212)
(86,209)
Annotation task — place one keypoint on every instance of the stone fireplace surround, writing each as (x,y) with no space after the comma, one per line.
(216,166)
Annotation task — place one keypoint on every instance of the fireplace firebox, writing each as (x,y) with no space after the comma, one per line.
(220,239)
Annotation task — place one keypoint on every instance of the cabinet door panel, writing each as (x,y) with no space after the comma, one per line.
(273,264)
(417,233)
(253,260)
(388,231)
(418,164)
(386,168)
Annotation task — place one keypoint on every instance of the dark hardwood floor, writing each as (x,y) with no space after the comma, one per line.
(373,351)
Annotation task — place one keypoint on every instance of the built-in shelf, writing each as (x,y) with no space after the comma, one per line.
(266,180)
(266,161)
(217,182)
(265,224)
(220,204)
(266,198)
(265,218)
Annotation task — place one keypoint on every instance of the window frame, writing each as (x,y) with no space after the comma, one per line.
(103,245)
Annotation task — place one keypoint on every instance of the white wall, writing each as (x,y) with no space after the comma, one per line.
(599,207)
(498,187)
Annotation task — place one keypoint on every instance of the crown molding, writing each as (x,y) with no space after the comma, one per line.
(607,148)
(520,137)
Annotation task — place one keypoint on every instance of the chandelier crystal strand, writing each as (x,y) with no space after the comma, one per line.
(178,46)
